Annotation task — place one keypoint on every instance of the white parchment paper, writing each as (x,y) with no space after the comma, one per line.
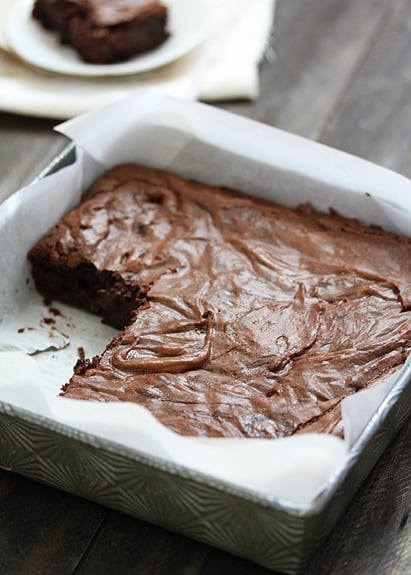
(39,345)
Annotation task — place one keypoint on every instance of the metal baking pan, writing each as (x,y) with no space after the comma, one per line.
(284,534)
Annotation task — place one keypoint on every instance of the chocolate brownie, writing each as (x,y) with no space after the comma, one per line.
(238,317)
(105,31)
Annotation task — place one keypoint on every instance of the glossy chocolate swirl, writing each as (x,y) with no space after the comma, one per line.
(257,320)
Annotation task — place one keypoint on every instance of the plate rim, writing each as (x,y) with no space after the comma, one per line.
(20,12)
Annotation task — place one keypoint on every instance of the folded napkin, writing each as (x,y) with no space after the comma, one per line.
(223,67)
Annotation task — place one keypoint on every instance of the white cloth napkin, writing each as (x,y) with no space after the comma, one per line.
(224,67)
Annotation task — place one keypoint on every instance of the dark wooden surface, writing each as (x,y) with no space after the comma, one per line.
(339,71)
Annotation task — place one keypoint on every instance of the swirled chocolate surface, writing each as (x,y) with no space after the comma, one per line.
(250,319)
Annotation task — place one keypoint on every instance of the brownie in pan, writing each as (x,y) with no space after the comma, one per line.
(238,317)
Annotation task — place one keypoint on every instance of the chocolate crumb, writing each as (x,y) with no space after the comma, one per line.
(54,311)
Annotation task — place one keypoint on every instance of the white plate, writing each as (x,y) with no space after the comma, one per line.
(189,23)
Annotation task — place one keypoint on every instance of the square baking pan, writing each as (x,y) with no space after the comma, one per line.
(283,534)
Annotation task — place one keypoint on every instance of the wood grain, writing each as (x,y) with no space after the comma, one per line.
(43,530)
(373,119)
(317,48)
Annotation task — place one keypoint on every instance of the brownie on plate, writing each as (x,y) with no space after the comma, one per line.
(105,31)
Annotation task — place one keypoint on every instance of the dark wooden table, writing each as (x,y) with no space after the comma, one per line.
(339,72)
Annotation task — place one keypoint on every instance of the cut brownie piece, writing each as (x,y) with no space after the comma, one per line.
(256,321)
(105,31)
